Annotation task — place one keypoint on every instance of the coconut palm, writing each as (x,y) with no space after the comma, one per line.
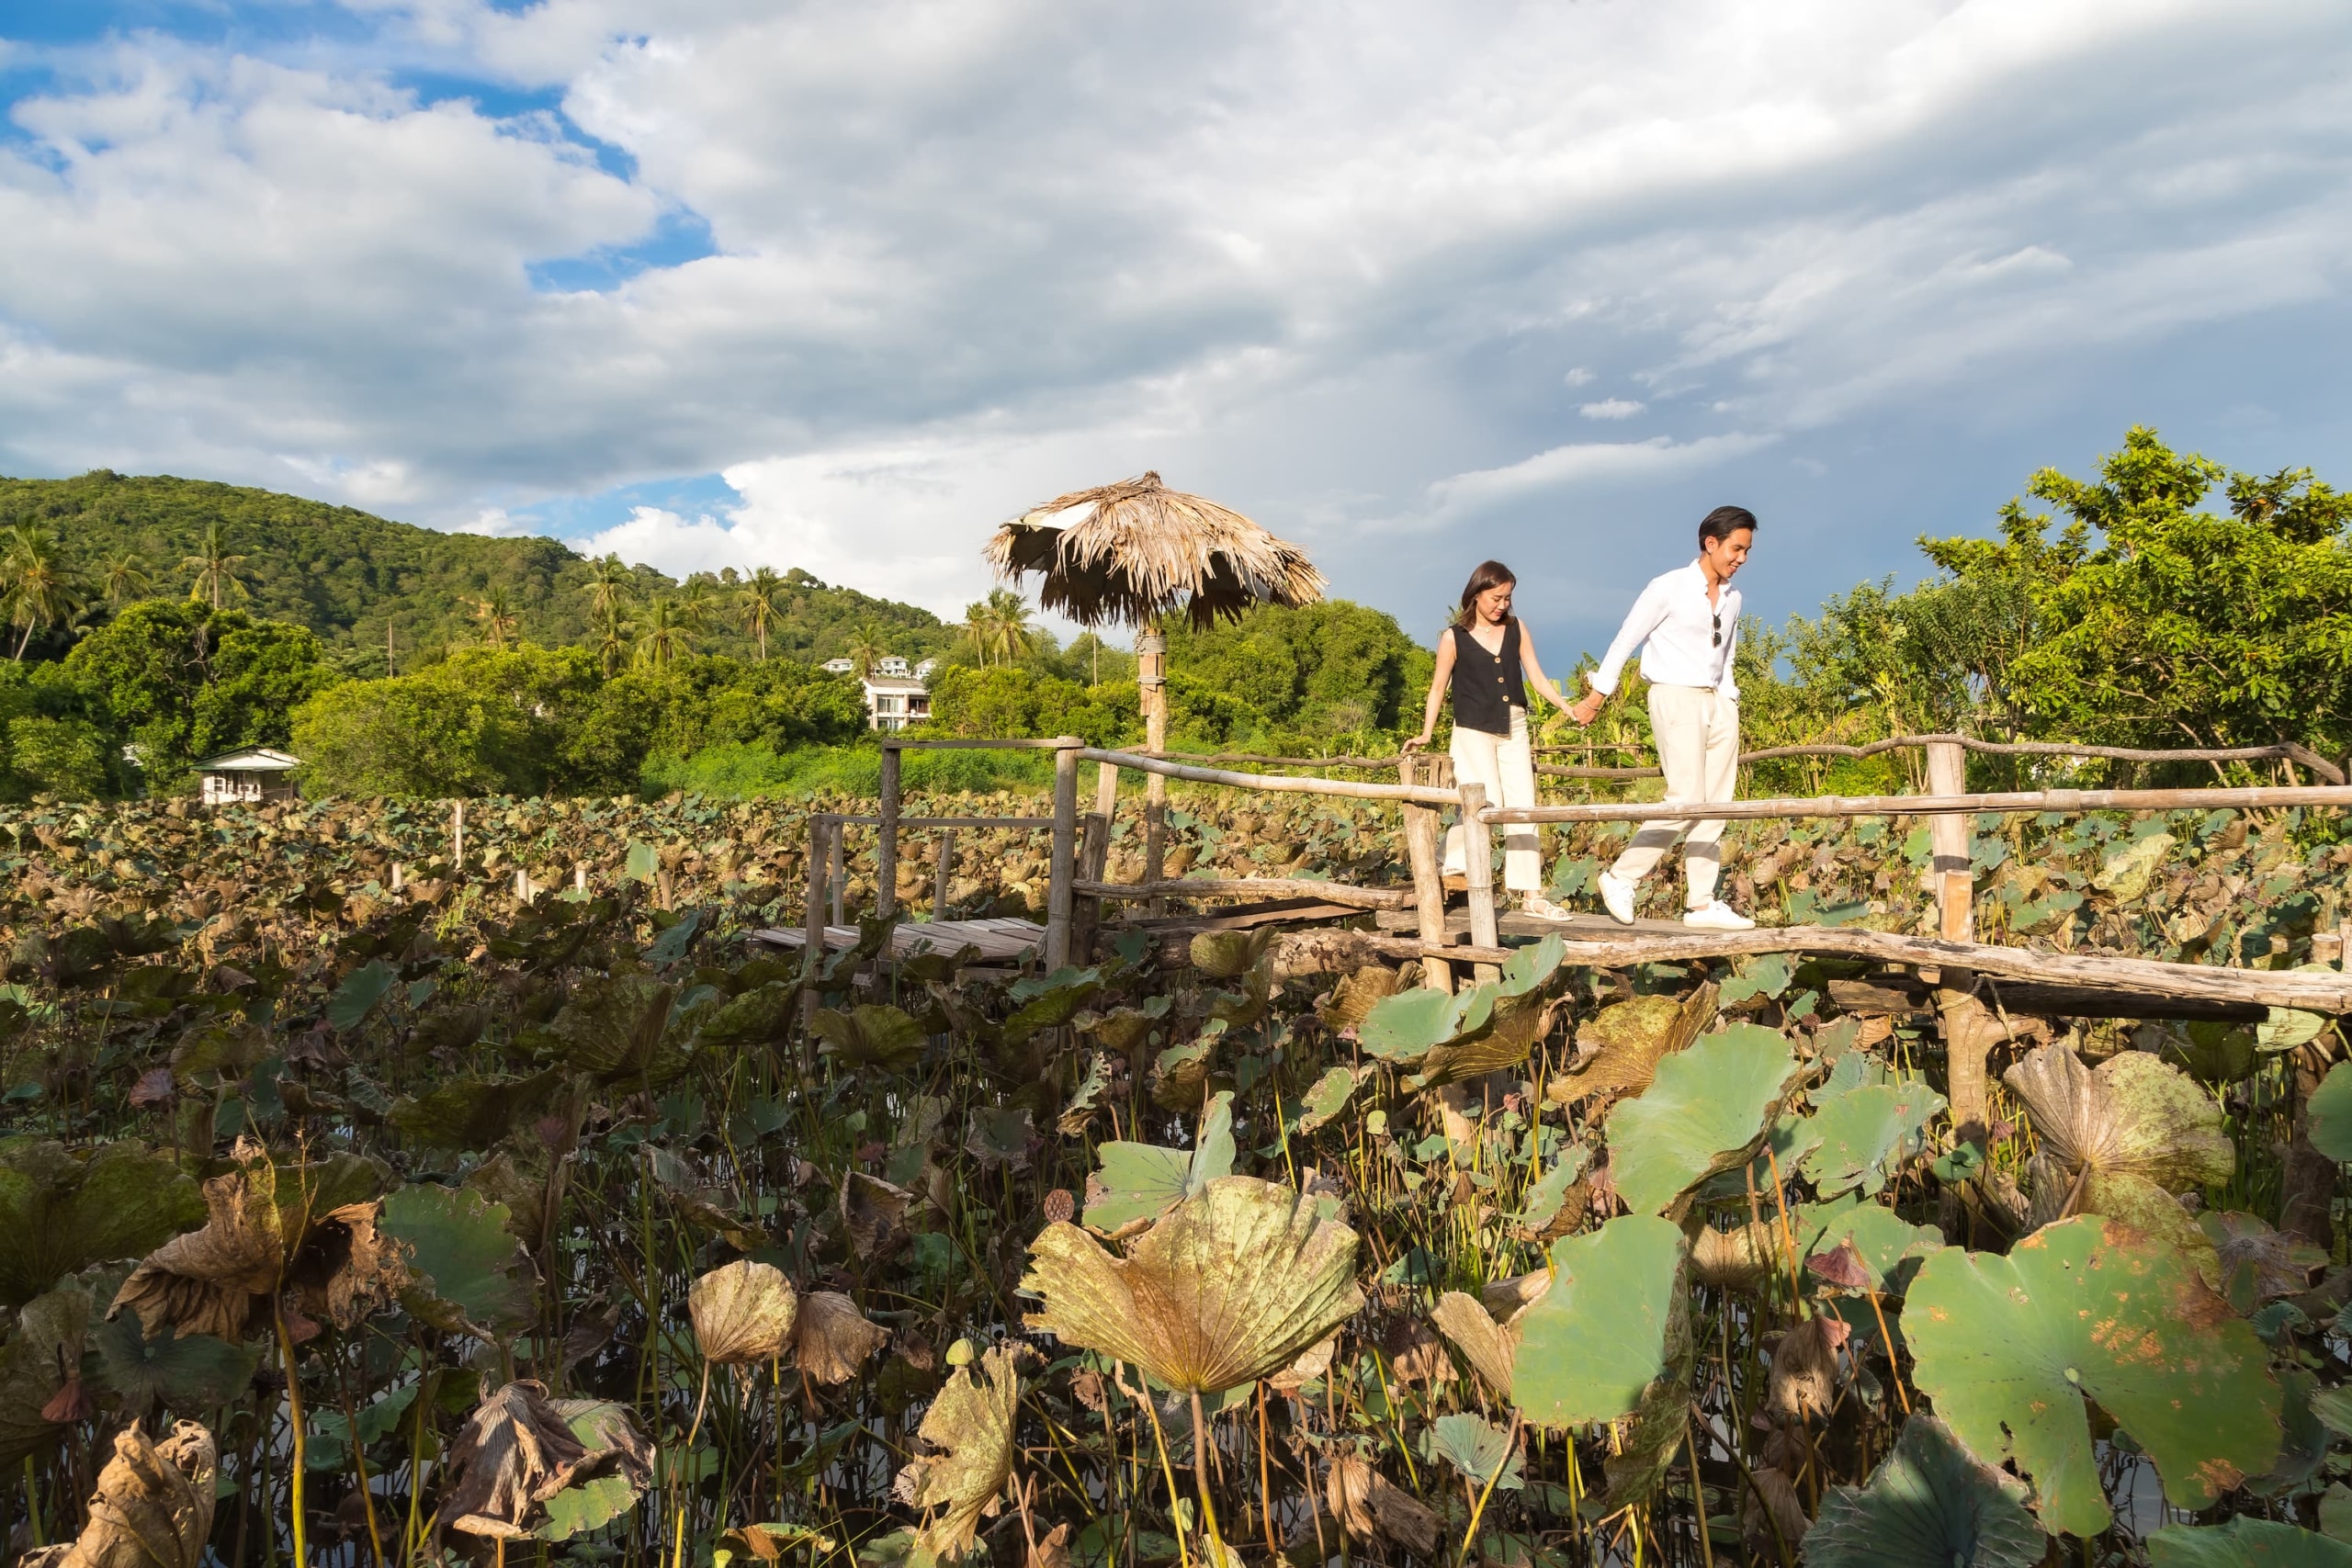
(978,630)
(615,636)
(695,602)
(40,588)
(500,623)
(125,576)
(215,568)
(1012,632)
(867,648)
(756,603)
(610,586)
(663,633)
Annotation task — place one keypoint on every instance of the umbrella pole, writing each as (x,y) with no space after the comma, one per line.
(1151,662)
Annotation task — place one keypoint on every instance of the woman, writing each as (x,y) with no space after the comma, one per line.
(1480,658)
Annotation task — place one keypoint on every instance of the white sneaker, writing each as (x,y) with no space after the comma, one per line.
(1718,916)
(1618,896)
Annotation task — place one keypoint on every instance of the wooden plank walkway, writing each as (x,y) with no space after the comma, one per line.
(1006,938)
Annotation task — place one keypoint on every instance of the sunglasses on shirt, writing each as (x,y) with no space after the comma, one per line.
(1719,628)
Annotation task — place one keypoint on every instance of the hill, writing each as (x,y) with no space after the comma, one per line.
(348,574)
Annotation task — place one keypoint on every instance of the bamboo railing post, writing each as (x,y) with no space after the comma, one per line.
(1060,894)
(1428,881)
(837,875)
(1479,865)
(813,923)
(1968,1031)
(457,841)
(939,879)
(885,853)
(1093,859)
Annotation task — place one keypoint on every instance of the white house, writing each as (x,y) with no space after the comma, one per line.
(837,666)
(257,774)
(893,665)
(922,670)
(894,702)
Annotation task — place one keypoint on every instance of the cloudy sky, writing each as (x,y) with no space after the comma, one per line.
(840,286)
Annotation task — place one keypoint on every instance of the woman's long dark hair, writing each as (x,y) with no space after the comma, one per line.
(1490,574)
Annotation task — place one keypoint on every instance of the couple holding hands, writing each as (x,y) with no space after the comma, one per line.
(1686,625)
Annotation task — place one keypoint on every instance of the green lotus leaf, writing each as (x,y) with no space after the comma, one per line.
(2127,872)
(620,1455)
(49,1334)
(2137,1204)
(1929,1504)
(2245,1543)
(1866,1135)
(360,991)
(2330,1111)
(1883,1239)
(471,1111)
(617,1027)
(1230,1286)
(1702,1113)
(1064,992)
(1659,1423)
(1137,1182)
(193,1373)
(60,1212)
(872,1034)
(1767,974)
(2284,1029)
(972,1421)
(1550,1191)
(1327,1099)
(2210,1052)
(2132,1115)
(2009,1346)
(756,1021)
(1481,1450)
(1587,1346)
(2304,1446)
(1407,1026)
(467,1274)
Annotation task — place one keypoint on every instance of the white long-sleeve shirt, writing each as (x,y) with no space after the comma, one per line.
(1674,627)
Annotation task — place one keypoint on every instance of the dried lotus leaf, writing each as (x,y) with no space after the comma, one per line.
(832,1338)
(972,1421)
(1227,1287)
(743,1313)
(514,1452)
(152,1506)
(1487,1345)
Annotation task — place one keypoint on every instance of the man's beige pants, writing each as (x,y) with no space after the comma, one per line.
(1698,747)
(1506,765)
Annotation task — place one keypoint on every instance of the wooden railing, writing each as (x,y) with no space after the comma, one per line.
(1077,886)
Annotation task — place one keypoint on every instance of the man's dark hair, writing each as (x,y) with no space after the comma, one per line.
(1724,522)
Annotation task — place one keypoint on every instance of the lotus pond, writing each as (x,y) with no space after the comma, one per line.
(556,1219)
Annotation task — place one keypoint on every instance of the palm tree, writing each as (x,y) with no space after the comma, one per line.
(978,630)
(695,602)
(613,637)
(215,568)
(40,590)
(126,576)
(1010,628)
(756,603)
(610,586)
(663,634)
(866,648)
(500,623)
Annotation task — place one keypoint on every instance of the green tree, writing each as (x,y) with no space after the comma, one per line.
(665,633)
(481,722)
(179,681)
(866,648)
(41,587)
(125,578)
(500,624)
(757,601)
(63,757)
(215,568)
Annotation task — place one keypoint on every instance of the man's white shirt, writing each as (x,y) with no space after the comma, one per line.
(1675,627)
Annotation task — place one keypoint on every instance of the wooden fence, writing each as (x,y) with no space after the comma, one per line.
(1077,887)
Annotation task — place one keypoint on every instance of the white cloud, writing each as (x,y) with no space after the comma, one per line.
(1326,268)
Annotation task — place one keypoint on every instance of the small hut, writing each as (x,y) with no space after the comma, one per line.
(249,776)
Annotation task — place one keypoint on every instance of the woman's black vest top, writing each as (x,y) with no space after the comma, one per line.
(1486,685)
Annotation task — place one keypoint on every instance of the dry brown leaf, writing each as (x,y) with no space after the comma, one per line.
(1735,1260)
(743,1313)
(1804,1370)
(152,1507)
(1788,1515)
(1369,1508)
(1354,996)
(1629,1039)
(872,1214)
(1415,1354)
(832,1338)
(516,1451)
(1054,1551)
(345,1269)
(214,1281)
(971,1421)
(1490,1347)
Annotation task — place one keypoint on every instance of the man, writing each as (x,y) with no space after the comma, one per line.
(1686,624)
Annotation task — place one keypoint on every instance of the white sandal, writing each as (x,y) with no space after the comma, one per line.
(1543,909)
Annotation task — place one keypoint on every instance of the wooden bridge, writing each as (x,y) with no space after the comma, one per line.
(1414,922)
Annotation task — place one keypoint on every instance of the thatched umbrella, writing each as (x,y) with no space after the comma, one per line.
(1132,554)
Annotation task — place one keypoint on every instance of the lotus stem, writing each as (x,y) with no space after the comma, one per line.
(294,1488)
(1895,1368)
(1201,1480)
(1151,1414)
(1470,1536)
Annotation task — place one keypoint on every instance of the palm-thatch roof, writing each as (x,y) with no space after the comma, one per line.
(1131,553)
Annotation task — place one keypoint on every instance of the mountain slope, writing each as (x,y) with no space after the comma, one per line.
(344,573)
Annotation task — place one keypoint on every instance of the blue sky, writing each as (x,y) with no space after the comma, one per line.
(840,286)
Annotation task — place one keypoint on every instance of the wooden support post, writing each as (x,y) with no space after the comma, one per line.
(1106,790)
(939,879)
(457,839)
(579,875)
(1969,1028)
(885,853)
(1429,883)
(1151,678)
(1060,892)
(837,875)
(1478,864)
(813,923)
